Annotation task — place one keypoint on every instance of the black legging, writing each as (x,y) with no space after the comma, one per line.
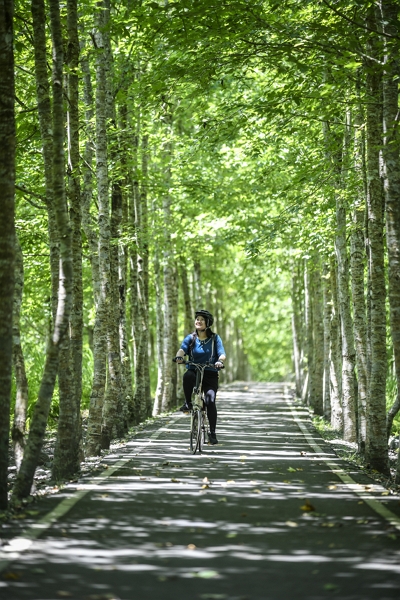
(210,387)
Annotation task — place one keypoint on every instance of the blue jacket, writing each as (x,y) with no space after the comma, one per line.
(201,351)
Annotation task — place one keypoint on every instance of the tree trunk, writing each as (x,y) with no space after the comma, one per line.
(22,392)
(335,355)
(346,322)
(316,392)
(327,312)
(187,304)
(309,330)
(7,232)
(391,139)
(67,455)
(34,444)
(104,307)
(357,264)
(296,331)
(93,438)
(144,275)
(115,418)
(376,442)
(158,283)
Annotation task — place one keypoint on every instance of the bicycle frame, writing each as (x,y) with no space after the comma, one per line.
(198,421)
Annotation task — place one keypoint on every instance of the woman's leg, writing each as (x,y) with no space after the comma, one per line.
(189,381)
(210,387)
(209,400)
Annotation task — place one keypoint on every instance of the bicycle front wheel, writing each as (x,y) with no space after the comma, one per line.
(195,432)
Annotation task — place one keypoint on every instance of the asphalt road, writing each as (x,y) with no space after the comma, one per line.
(269,514)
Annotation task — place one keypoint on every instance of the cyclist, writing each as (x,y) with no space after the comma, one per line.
(203,346)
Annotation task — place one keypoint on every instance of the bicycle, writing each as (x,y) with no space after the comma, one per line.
(199,426)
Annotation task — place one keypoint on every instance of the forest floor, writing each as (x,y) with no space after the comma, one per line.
(272,512)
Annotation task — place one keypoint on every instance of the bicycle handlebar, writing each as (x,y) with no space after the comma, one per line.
(207,364)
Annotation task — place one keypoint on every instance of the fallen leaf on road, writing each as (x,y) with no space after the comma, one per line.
(207,574)
(191,547)
(385,493)
(292,524)
(331,587)
(307,506)
(271,489)
(232,534)
(230,481)
(256,491)
(242,457)
(175,480)
(332,487)
(205,480)
(292,470)
(205,487)
(11,576)
(222,499)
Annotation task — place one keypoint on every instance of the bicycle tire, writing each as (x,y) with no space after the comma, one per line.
(194,431)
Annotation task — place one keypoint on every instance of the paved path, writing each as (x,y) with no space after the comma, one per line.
(260,516)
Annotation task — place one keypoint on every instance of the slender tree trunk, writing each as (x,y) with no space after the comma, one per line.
(346,322)
(144,275)
(296,331)
(335,355)
(67,455)
(327,312)
(391,139)
(7,232)
(114,411)
(157,408)
(318,340)
(102,325)
(309,330)
(34,444)
(376,442)
(197,285)
(93,438)
(22,392)
(188,311)
(45,120)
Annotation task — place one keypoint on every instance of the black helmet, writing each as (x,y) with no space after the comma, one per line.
(207,316)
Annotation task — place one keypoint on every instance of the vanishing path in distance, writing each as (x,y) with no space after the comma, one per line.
(260,516)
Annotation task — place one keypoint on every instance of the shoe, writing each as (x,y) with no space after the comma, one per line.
(186,407)
(212,438)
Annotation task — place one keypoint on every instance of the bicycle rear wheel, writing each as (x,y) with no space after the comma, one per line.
(195,432)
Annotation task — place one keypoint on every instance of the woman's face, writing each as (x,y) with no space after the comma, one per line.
(200,323)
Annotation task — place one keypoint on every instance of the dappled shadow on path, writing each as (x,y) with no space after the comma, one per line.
(259,516)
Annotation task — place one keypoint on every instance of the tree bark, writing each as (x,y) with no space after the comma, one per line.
(34,444)
(376,442)
(327,317)
(391,140)
(335,355)
(318,340)
(7,232)
(158,284)
(22,391)
(68,454)
(357,265)
(296,331)
(346,323)
(308,313)
(93,438)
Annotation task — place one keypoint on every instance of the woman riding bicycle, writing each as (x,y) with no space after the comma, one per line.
(203,346)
